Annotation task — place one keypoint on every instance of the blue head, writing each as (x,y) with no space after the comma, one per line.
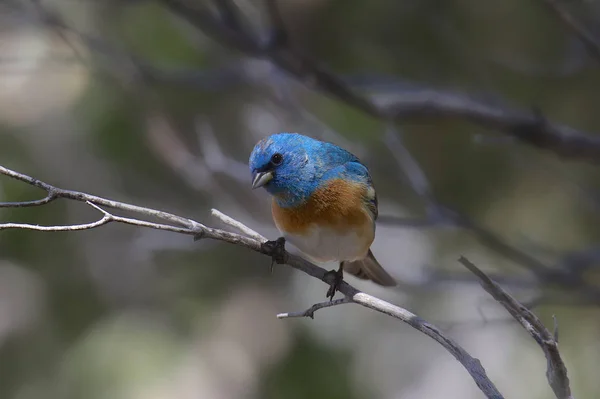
(290,166)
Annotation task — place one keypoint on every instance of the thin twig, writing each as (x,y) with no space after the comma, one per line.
(279,36)
(55,193)
(24,204)
(411,169)
(556,371)
(586,37)
(237,225)
(565,277)
(72,227)
(229,13)
(310,312)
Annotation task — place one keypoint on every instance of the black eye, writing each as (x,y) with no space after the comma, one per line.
(277,159)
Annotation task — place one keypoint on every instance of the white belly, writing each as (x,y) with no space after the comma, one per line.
(326,245)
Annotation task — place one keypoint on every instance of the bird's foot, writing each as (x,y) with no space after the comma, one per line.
(338,277)
(276,249)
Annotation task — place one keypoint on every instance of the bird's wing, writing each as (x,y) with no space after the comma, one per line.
(357,172)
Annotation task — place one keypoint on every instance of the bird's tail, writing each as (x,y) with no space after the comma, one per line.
(369,269)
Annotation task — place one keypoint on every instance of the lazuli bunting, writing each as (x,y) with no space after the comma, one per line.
(324,202)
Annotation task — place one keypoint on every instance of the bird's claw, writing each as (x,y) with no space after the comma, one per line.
(275,248)
(338,277)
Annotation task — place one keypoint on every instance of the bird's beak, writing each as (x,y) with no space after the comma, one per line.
(261,178)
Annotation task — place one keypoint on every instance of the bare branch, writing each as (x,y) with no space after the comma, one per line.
(585,36)
(449,217)
(229,13)
(527,127)
(198,230)
(143,223)
(55,192)
(471,364)
(310,312)
(411,168)
(565,277)
(280,36)
(405,101)
(556,370)
(239,226)
(33,182)
(51,196)
(214,28)
(72,227)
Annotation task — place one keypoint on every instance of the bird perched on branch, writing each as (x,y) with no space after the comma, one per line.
(324,203)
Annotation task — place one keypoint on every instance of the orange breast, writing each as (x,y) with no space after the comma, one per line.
(339,205)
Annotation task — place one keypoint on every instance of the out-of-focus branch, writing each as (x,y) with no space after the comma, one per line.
(556,370)
(107,218)
(412,170)
(562,275)
(254,241)
(527,127)
(280,36)
(590,42)
(440,215)
(229,14)
(405,101)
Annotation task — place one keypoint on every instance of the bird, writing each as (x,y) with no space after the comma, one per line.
(323,202)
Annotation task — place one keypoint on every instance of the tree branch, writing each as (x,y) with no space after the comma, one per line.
(406,100)
(310,312)
(279,36)
(556,371)
(586,37)
(566,275)
(528,127)
(55,193)
(254,241)
(237,225)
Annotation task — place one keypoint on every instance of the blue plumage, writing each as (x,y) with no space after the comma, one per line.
(307,164)
(324,201)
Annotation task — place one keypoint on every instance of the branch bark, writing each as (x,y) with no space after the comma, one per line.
(253,241)
(556,371)
(583,34)
(529,127)
(310,312)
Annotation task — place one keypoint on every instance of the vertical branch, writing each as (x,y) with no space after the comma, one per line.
(556,371)
(590,42)
(279,35)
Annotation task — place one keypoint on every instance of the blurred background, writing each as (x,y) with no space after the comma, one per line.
(129,100)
